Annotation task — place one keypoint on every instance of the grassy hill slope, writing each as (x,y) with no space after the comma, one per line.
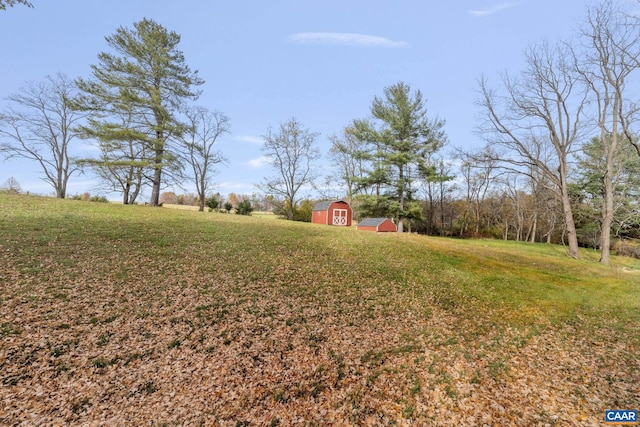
(129,314)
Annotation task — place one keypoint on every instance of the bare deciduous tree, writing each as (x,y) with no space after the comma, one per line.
(514,204)
(346,153)
(38,125)
(204,127)
(291,151)
(11,186)
(436,176)
(540,114)
(610,55)
(478,174)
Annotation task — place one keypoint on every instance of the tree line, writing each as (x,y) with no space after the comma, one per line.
(561,156)
(539,122)
(560,163)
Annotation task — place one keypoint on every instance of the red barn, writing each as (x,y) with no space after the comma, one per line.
(332,213)
(377,224)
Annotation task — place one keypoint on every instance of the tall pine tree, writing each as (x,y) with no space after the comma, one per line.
(400,138)
(146,80)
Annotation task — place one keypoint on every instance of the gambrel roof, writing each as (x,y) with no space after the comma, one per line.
(323,206)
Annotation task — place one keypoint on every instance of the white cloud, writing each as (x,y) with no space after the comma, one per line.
(258,162)
(250,139)
(493,9)
(345,39)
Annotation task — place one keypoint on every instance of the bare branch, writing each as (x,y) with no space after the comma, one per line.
(292,152)
(39,124)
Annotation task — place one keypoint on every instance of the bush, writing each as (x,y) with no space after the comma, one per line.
(100,199)
(244,208)
(212,203)
(86,197)
(228,206)
(628,249)
(304,211)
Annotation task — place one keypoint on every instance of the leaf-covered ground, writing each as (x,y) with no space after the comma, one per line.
(127,315)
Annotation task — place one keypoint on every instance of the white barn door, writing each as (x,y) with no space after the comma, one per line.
(339,217)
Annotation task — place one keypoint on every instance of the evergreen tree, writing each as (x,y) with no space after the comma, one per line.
(590,188)
(146,80)
(399,138)
(11,3)
(244,207)
(123,161)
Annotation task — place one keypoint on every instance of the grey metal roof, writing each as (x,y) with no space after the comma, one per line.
(323,206)
(372,222)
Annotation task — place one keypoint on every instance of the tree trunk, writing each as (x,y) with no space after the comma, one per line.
(431,213)
(125,194)
(133,196)
(610,146)
(157,178)
(201,192)
(290,210)
(607,206)
(155,189)
(572,236)
(534,226)
(442,209)
(61,188)
(570,225)
(401,199)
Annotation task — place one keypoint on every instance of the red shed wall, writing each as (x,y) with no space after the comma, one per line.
(319,217)
(366,228)
(387,226)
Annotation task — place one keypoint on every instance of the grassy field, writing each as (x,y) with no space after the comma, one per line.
(132,315)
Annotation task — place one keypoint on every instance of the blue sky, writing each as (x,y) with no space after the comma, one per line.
(267,61)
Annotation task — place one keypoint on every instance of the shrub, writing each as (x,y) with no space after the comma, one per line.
(212,202)
(244,208)
(86,197)
(228,206)
(169,197)
(100,199)
(627,248)
(304,211)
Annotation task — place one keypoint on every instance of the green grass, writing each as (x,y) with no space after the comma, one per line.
(516,279)
(430,315)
